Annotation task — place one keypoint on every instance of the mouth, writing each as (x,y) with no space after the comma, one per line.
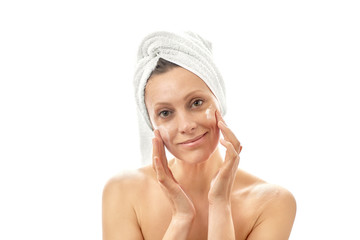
(194,141)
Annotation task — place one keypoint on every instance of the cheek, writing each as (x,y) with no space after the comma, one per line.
(211,122)
(165,134)
(210,116)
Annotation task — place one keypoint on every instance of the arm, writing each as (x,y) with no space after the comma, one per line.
(220,218)
(277,218)
(220,222)
(179,228)
(183,211)
(118,216)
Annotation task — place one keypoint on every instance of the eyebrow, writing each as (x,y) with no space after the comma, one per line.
(186,96)
(191,93)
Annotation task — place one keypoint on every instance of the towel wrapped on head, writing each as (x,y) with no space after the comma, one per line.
(188,50)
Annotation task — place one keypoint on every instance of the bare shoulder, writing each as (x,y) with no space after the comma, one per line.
(128,183)
(123,189)
(120,220)
(261,190)
(123,179)
(273,194)
(275,207)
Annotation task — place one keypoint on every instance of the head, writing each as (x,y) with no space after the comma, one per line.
(182,107)
(190,51)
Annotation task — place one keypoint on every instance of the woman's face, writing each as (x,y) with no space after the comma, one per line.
(183,108)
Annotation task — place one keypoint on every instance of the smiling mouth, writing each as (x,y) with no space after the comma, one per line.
(194,139)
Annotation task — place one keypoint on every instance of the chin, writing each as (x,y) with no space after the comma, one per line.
(194,157)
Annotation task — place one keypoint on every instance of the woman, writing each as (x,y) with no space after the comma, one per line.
(197,194)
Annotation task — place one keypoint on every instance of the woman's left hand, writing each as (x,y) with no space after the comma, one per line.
(221,185)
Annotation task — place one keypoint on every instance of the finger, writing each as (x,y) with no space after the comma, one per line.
(166,180)
(154,152)
(161,149)
(161,144)
(231,157)
(160,173)
(219,117)
(229,136)
(157,146)
(230,150)
(163,162)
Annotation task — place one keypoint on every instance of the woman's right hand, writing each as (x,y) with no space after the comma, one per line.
(182,207)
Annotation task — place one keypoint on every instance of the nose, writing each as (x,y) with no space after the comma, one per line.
(186,123)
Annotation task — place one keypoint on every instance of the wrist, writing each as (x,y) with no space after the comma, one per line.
(220,221)
(221,207)
(219,203)
(183,217)
(181,222)
(179,227)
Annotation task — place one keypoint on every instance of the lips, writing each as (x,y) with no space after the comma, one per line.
(193,140)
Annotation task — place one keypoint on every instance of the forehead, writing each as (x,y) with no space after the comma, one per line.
(176,83)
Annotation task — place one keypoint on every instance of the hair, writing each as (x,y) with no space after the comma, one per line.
(163,66)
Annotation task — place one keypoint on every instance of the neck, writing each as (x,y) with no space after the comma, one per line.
(195,179)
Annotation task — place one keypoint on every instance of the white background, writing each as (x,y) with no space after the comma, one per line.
(68,122)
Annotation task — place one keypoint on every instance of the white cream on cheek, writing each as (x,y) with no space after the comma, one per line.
(210,113)
(164,133)
(211,118)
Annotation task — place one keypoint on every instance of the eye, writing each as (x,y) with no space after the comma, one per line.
(164,114)
(197,103)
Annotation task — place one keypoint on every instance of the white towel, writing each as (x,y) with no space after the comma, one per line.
(188,50)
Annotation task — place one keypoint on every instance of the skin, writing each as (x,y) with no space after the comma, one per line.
(198,194)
